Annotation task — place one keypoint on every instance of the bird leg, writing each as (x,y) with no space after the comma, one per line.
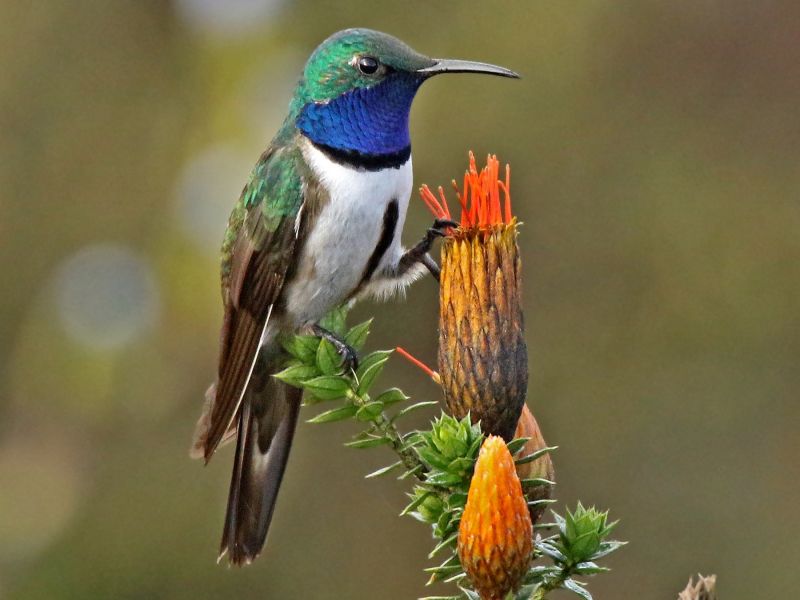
(419,252)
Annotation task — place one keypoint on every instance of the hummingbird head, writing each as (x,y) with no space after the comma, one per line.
(356,91)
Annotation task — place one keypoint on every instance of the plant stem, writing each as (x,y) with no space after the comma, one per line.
(406,454)
(385,426)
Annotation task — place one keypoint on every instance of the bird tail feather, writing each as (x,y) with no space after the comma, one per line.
(266,423)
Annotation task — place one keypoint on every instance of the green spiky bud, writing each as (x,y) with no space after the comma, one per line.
(581,532)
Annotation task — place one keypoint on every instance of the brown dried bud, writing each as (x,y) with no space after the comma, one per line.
(542,467)
(704,589)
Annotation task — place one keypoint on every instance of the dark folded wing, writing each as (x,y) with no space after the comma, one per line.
(265,224)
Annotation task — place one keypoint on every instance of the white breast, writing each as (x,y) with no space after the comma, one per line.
(345,234)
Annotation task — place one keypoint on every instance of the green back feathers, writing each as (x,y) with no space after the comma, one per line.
(273,194)
(277,176)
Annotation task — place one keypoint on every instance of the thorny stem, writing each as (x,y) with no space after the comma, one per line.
(384,426)
(410,460)
(543,589)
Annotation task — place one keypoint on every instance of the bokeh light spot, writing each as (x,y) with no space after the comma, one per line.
(42,488)
(106,296)
(207,190)
(229,18)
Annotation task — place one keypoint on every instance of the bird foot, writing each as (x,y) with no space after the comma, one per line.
(419,253)
(347,352)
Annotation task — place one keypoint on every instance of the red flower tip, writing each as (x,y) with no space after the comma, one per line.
(481,204)
(418,363)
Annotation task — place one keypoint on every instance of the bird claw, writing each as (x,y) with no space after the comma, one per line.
(346,352)
(349,357)
(419,253)
(440,227)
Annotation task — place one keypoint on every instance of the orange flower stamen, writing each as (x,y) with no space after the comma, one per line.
(479,196)
(440,210)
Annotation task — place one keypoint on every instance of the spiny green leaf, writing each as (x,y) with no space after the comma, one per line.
(357,336)
(334,321)
(328,387)
(589,568)
(384,470)
(457,447)
(336,414)
(392,396)
(576,588)
(548,549)
(438,441)
(444,525)
(412,439)
(607,548)
(460,465)
(368,375)
(542,502)
(470,594)
(457,499)
(536,481)
(449,541)
(475,446)
(302,347)
(534,455)
(369,411)
(540,572)
(370,359)
(584,545)
(523,593)
(517,444)
(368,442)
(447,566)
(413,407)
(409,472)
(297,374)
(328,359)
(444,479)
(455,577)
(415,503)
(432,457)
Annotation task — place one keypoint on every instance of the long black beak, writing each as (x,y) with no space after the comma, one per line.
(451,65)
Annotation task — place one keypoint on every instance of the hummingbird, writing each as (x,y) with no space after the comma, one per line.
(318,224)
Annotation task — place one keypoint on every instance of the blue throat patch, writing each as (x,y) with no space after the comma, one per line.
(368,121)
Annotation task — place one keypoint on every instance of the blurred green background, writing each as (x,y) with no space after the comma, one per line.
(654,148)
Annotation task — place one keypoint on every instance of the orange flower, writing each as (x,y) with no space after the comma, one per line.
(495,537)
(483,360)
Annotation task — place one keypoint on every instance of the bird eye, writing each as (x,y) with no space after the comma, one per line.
(367,65)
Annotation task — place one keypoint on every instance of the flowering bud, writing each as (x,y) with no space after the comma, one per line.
(483,360)
(495,534)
